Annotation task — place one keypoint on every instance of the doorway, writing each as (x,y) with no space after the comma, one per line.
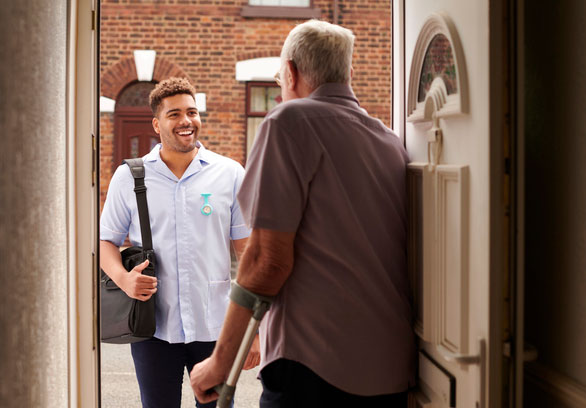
(204,43)
(133,131)
(554,147)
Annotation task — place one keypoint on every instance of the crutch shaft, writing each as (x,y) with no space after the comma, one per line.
(226,391)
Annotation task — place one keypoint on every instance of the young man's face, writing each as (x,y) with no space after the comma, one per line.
(178,123)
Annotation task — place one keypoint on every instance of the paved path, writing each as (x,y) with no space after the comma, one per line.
(120,389)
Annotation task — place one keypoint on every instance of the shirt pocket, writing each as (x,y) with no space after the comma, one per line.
(218,298)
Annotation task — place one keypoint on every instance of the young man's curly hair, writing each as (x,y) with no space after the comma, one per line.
(169,87)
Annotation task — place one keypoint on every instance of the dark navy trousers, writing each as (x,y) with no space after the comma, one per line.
(289,384)
(159,369)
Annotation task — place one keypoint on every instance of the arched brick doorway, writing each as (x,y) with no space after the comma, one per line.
(133,130)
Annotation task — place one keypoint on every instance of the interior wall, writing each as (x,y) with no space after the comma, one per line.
(33,251)
(555,258)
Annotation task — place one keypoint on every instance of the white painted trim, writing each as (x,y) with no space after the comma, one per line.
(107,105)
(398,68)
(258,69)
(144,61)
(437,23)
(564,389)
(200,101)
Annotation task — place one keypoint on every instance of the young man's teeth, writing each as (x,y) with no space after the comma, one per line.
(185,132)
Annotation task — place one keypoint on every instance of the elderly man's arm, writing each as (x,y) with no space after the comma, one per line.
(253,358)
(267,261)
(264,268)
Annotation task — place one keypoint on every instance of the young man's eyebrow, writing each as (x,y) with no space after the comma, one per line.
(179,110)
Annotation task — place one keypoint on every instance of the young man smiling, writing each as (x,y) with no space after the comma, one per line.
(194,215)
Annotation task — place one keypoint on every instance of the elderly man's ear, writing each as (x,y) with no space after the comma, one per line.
(292,75)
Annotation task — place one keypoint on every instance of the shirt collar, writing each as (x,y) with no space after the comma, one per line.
(336,90)
(202,158)
(203,154)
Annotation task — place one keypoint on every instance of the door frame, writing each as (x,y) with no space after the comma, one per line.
(517,40)
(501,269)
(82,202)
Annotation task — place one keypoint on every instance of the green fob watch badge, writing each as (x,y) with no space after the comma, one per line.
(206,208)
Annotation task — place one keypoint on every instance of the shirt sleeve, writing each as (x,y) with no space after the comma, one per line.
(238,228)
(279,171)
(116,215)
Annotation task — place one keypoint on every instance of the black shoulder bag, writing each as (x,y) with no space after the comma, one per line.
(123,319)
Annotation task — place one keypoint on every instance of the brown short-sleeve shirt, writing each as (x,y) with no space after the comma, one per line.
(323,168)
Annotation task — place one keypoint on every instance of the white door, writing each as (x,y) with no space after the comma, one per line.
(442,109)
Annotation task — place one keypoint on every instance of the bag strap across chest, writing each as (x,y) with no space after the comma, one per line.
(137,170)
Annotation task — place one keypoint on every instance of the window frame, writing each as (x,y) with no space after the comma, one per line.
(251,84)
(254,114)
(281,11)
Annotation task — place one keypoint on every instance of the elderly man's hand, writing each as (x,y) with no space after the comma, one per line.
(204,376)
(253,358)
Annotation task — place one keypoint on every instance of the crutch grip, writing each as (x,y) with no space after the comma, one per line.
(226,395)
(226,390)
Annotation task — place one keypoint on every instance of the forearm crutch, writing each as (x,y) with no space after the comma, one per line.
(259,306)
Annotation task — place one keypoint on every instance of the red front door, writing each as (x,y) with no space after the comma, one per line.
(134,132)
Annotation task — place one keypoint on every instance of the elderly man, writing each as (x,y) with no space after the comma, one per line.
(325,195)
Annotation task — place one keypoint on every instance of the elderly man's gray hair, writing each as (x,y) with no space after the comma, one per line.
(322,52)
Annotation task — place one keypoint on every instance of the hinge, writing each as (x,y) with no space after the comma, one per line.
(529,351)
(94,155)
(94,18)
(94,301)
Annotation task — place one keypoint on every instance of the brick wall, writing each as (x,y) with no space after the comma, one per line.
(204,39)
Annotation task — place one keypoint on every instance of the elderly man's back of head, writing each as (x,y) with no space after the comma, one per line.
(322,52)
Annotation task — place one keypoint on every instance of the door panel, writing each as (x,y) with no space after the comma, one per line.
(447,138)
(452,266)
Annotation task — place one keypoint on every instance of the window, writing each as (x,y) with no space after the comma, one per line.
(261,97)
(281,9)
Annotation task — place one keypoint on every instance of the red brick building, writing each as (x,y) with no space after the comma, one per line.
(204,41)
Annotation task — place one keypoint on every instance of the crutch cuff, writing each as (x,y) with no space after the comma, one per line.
(257,303)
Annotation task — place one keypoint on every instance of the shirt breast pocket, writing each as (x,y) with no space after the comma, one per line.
(218,298)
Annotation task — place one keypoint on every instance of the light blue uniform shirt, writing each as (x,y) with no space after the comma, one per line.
(192,249)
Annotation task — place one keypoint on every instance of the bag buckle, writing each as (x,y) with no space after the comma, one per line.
(150,255)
